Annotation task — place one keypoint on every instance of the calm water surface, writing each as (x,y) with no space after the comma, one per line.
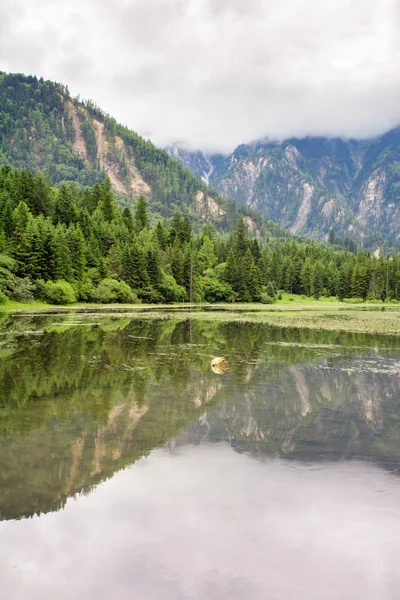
(129,469)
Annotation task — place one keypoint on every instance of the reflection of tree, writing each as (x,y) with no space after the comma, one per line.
(79,401)
(338,411)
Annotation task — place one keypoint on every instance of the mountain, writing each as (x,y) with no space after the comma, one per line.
(42,128)
(314,184)
(309,186)
(202,165)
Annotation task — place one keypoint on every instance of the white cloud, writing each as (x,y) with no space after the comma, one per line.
(216,73)
(208,523)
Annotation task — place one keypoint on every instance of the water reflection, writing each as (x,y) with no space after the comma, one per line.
(83,397)
(207,523)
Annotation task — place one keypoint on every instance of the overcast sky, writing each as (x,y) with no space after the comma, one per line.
(216,73)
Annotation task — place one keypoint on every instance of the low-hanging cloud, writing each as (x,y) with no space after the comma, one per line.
(215,73)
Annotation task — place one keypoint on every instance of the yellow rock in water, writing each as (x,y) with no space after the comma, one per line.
(219,365)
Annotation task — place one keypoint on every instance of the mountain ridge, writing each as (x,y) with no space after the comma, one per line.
(313,185)
(42,128)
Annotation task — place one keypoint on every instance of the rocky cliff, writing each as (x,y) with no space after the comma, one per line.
(312,185)
(42,128)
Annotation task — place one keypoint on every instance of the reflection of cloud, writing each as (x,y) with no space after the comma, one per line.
(217,73)
(208,523)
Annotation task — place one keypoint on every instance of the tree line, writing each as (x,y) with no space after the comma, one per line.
(71,244)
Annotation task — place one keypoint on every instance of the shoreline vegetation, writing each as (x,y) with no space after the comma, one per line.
(292,311)
(67,245)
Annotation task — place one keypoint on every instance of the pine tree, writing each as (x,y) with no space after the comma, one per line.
(41,199)
(153,267)
(185,232)
(77,249)
(253,280)
(240,238)
(26,249)
(290,276)
(63,266)
(65,210)
(8,220)
(255,250)
(359,281)
(141,218)
(306,276)
(344,280)
(128,219)
(206,255)
(175,259)
(161,235)
(107,202)
(317,280)
(114,263)
(48,252)
(133,265)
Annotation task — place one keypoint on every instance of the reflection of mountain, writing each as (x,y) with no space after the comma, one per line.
(341,409)
(68,456)
(81,400)
(80,403)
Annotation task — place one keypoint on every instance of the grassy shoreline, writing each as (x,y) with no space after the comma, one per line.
(307,313)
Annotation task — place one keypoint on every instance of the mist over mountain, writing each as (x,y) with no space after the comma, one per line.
(310,186)
(314,184)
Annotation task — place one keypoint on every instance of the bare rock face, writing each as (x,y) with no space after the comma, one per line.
(311,185)
(82,143)
(205,206)
(372,197)
(304,209)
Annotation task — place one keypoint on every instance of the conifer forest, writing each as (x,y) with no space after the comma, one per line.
(73,244)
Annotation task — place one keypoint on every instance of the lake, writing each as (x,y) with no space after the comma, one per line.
(129,468)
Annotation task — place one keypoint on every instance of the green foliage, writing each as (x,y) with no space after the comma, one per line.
(103,254)
(171,291)
(44,130)
(7,277)
(85,291)
(89,135)
(59,292)
(241,271)
(22,289)
(37,133)
(267,298)
(213,290)
(141,219)
(110,290)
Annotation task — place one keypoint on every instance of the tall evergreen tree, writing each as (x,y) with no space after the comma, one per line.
(141,218)
(107,202)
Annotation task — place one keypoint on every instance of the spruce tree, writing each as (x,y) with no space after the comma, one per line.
(65,210)
(8,220)
(153,267)
(317,280)
(128,219)
(77,249)
(107,202)
(63,266)
(133,265)
(141,218)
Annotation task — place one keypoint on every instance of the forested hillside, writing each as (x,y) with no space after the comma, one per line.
(43,129)
(67,244)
